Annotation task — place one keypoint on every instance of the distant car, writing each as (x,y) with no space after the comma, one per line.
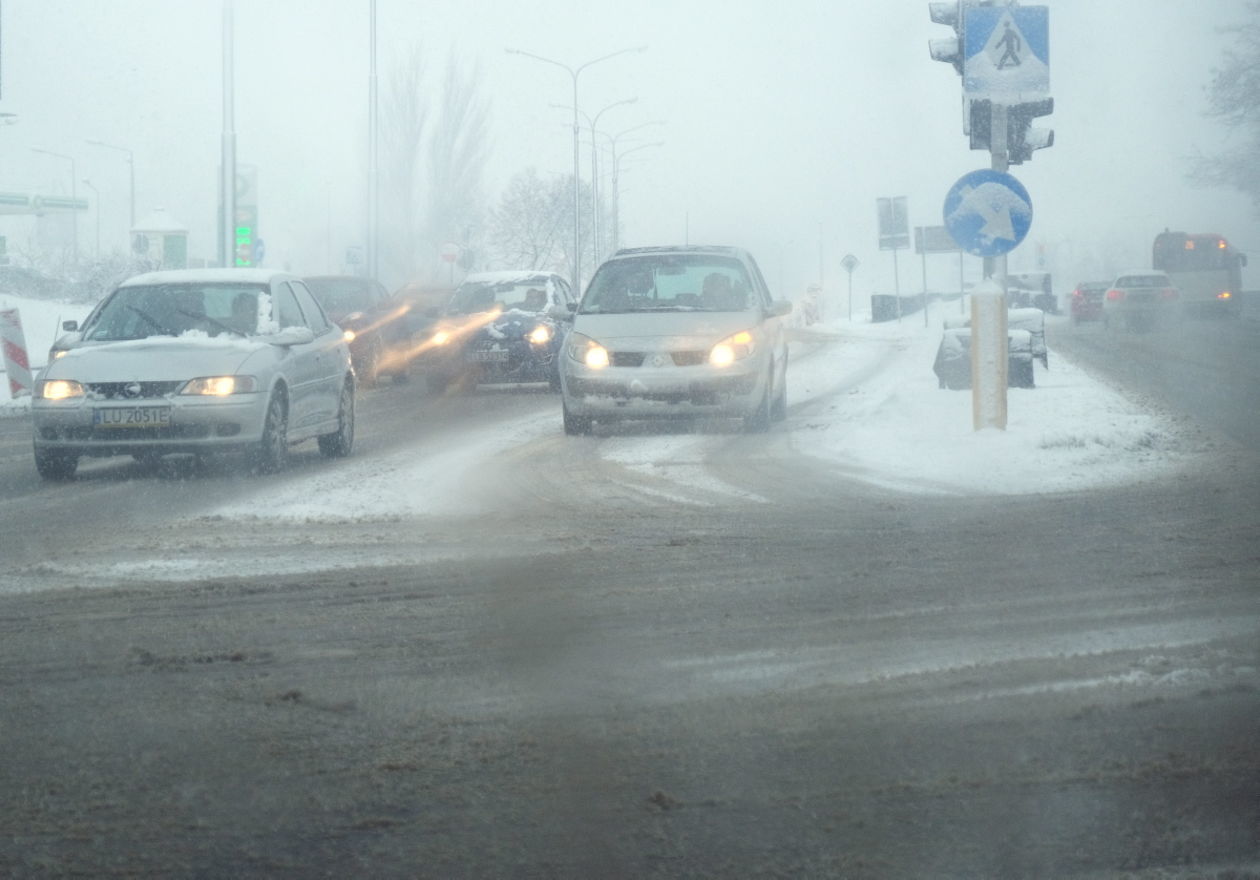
(1139,300)
(676,332)
(374,323)
(499,327)
(1087,301)
(196,361)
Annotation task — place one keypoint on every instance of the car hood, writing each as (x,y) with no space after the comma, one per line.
(155,358)
(651,331)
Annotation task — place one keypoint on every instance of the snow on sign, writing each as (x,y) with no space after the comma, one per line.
(988,213)
(1006,51)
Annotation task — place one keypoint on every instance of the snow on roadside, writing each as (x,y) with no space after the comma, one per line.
(898,429)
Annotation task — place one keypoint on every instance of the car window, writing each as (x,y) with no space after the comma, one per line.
(343,296)
(287,312)
(1143,281)
(484,295)
(141,311)
(315,317)
(670,282)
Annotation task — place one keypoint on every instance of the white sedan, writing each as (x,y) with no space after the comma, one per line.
(196,361)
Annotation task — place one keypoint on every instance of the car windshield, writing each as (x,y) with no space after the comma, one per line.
(340,297)
(472,297)
(669,282)
(141,311)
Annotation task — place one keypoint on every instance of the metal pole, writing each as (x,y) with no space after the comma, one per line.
(373,231)
(925,310)
(227,185)
(96,196)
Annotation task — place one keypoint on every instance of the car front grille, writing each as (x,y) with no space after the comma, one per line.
(131,390)
(638,358)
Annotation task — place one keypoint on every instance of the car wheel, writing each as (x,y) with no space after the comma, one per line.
(339,443)
(55,465)
(778,409)
(576,425)
(758,420)
(272,452)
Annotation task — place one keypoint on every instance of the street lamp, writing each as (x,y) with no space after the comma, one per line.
(96,197)
(593,125)
(74,195)
(131,166)
(574,72)
(616,177)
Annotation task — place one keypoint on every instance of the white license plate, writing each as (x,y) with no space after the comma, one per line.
(132,417)
(489,355)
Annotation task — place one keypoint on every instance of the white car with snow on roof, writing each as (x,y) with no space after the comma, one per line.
(196,361)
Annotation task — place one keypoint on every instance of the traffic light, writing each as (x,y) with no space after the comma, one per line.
(1022,138)
(245,228)
(948,49)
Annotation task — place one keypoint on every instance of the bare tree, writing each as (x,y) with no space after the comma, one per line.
(532,228)
(1234,99)
(528,228)
(434,155)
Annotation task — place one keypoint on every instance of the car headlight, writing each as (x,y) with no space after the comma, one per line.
(540,335)
(587,351)
(732,348)
(220,386)
(348,335)
(58,389)
(441,337)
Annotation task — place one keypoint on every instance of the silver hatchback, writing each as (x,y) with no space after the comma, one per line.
(196,361)
(676,332)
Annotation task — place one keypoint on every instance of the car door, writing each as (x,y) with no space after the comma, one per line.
(331,357)
(299,363)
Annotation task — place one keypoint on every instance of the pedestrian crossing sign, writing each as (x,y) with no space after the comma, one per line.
(1006,53)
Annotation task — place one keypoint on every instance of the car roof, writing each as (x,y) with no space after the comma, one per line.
(725,250)
(506,275)
(208,276)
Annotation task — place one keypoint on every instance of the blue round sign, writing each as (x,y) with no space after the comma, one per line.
(988,213)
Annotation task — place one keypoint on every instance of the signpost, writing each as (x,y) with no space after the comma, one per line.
(894,234)
(850,263)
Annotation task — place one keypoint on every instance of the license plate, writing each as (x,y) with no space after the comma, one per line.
(489,355)
(132,417)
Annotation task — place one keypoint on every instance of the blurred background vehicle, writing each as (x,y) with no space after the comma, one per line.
(1204,267)
(499,327)
(373,323)
(1086,301)
(1139,300)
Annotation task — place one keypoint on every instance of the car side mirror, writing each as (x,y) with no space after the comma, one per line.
(779,308)
(70,326)
(292,336)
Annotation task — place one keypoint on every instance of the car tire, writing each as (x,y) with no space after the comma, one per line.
(57,466)
(758,421)
(778,409)
(339,443)
(435,383)
(272,452)
(576,425)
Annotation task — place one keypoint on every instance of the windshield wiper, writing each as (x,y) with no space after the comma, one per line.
(152,321)
(214,322)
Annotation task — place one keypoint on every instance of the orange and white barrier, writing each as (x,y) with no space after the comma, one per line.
(16,362)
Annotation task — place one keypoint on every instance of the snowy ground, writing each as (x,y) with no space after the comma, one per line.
(863,398)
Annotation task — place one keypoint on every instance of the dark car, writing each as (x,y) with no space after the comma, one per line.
(499,327)
(373,321)
(1087,301)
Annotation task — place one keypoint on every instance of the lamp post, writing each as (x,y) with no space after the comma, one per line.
(96,197)
(74,194)
(616,177)
(131,167)
(574,72)
(593,125)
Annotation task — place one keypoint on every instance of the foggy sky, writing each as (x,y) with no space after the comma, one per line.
(783,122)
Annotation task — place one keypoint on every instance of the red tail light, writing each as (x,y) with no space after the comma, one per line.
(1115,294)
(1168,293)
